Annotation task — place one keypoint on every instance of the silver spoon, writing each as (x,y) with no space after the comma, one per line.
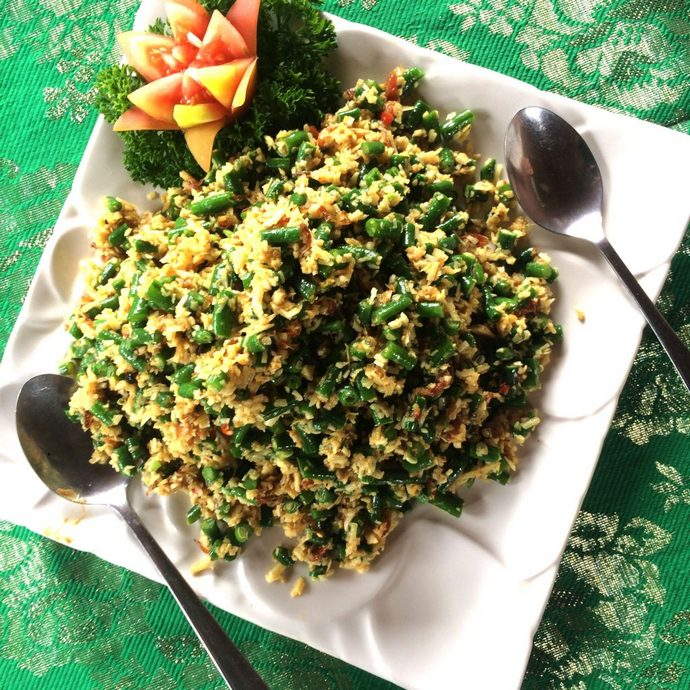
(558,184)
(59,452)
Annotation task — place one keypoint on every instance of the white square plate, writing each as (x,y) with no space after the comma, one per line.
(449,597)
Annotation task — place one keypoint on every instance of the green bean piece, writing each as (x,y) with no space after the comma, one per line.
(354,113)
(278,163)
(141,336)
(430,120)
(333,327)
(110,270)
(372,148)
(275,187)
(488,170)
(412,117)
(144,247)
(118,237)
(210,528)
(295,139)
(504,353)
(310,443)
(212,204)
(409,235)
(389,311)
(449,244)
(430,310)
(75,331)
(254,344)
(443,352)
(183,373)
(456,123)
(186,389)
(209,474)
(123,460)
(305,151)
(327,384)
(108,303)
(507,239)
(467,284)
(103,413)
(282,555)
(437,206)
(505,193)
(193,301)
(348,396)
(193,514)
(157,298)
(139,311)
(112,204)
(449,502)
(298,199)
(222,319)
(217,381)
(446,161)
(127,349)
(201,336)
(317,571)
(444,186)
(306,288)
(359,254)
(411,76)
(233,182)
(323,233)
(165,399)
(539,269)
(291,506)
(395,353)
(311,468)
(278,237)
(372,176)
(364,311)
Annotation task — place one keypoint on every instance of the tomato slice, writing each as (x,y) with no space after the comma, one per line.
(200,141)
(392,86)
(191,115)
(186,16)
(222,42)
(150,54)
(192,91)
(388,114)
(245,89)
(158,98)
(135,118)
(244,15)
(221,81)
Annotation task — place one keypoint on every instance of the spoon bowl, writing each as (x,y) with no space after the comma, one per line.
(557,181)
(59,451)
(554,174)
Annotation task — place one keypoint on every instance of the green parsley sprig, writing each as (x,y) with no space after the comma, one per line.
(294,87)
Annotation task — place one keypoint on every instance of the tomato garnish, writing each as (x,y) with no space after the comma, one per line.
(388,114)
(392,86)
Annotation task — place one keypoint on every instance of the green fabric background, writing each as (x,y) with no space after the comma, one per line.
(619,615)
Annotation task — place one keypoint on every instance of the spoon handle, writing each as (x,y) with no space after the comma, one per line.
(234,668)
(677,352)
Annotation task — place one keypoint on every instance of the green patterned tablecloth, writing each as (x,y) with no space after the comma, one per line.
(619,616)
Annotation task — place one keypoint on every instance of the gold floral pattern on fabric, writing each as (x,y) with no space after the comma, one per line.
(619,614)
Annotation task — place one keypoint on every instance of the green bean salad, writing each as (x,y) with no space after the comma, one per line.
(321,334)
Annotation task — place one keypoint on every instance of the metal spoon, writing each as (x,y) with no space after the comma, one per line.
(558,184)
(59,452)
